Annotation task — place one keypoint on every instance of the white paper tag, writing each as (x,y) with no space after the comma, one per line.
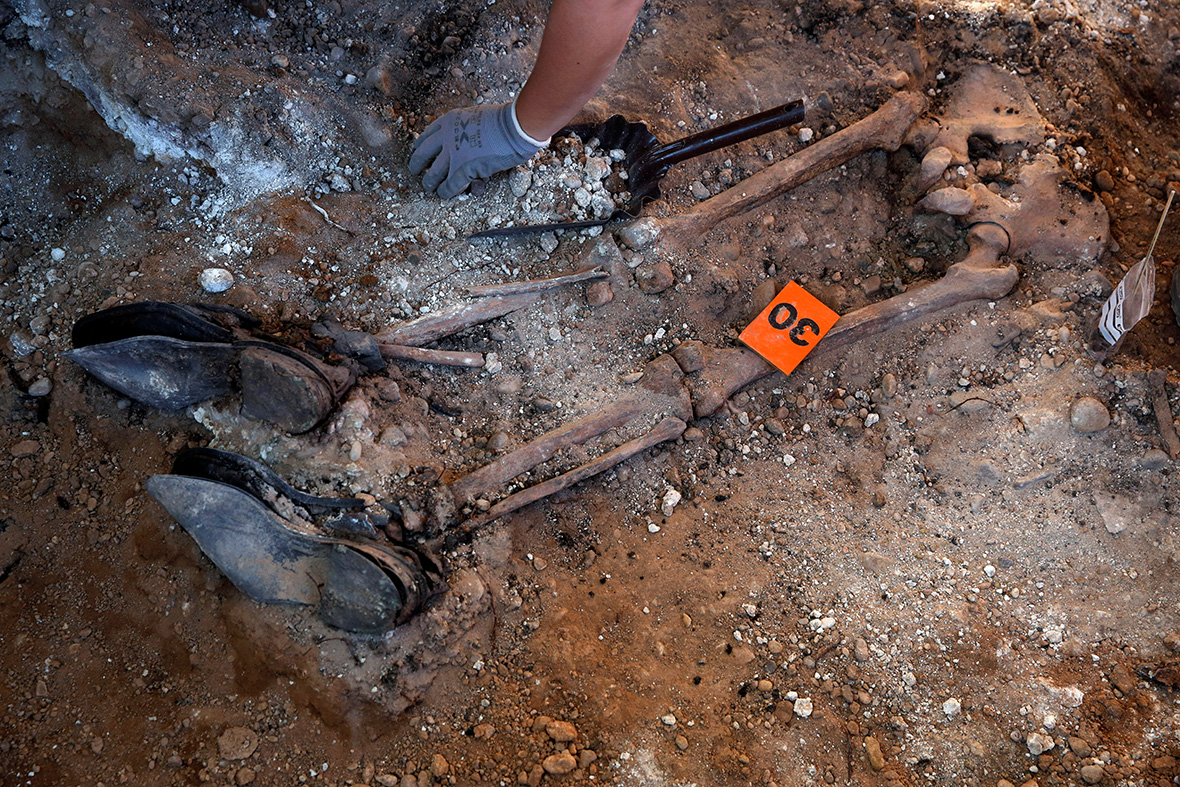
(1130,301)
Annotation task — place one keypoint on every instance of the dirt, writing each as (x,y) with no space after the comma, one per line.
(901,564)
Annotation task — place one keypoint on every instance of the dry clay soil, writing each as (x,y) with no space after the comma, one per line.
(901,564)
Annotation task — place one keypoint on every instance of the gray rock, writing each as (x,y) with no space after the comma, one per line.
(1116,512)
(638,235)
(22,345)
(41,387)
(1153,458)
(1092,774)
(699,190)
(520,181)
(1088,415)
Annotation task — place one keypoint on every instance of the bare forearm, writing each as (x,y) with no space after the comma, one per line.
(581,43)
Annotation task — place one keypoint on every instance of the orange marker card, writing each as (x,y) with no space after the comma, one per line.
(789,327)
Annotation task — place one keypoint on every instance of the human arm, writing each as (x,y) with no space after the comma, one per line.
(580,45)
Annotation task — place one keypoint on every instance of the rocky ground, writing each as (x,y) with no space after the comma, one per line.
(946,554)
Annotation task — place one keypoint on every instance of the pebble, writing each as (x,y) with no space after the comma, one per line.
(519,181)
(699,190)
(1153,458)
(561,731)
(876,756)
(22,345)
(42,386)
(1104,181)
(1092,774)
(559,764)
(57,255)
(669,502)
(952,707)
(806,134)
(599,294)
(654,277)
(1172,642)
(639,234)
(237,743)
(25,448)
(1088,415)
(681,742)
(952,201)
(216,280)
(668,719)
(244,776)
(549,242)
(804,707)
(934,163)
(1038,743)
(861,650)
(439,766)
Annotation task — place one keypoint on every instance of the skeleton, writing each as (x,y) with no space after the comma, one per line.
(1039,217)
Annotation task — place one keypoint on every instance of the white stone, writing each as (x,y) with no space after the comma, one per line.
(803,707)
(57,254)
(1039,743)
(216,280)
(952,707)
(669,502)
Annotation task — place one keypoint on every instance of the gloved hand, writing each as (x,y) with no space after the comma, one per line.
(469,143)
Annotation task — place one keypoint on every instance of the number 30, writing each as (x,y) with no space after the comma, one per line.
(795,334)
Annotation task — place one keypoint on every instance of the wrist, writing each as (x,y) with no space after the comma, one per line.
(540,143)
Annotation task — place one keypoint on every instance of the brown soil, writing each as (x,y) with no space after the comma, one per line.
(944,584)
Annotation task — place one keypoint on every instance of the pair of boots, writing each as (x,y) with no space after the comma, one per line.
(275,543)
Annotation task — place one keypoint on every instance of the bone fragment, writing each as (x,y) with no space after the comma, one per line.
(976,276)
(403,352)
(886,129)
(536,285)
(1157,379)
(667,429)
(491,477)
(453,319)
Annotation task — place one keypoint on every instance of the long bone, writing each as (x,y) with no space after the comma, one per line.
(885,129)
(660,395)
(728,370)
